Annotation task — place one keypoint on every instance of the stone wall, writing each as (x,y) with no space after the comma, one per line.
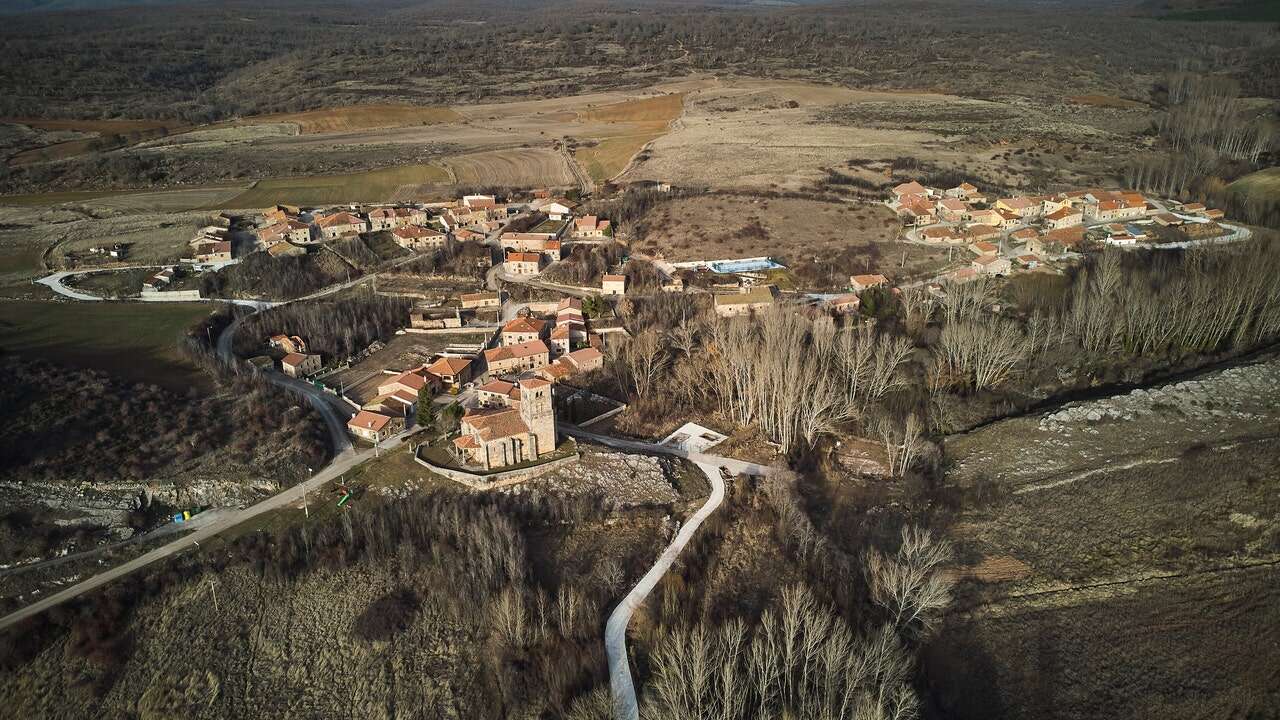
(486,481)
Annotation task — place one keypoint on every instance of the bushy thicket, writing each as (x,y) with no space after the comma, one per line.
(334,328)
(64,425)
(260,275)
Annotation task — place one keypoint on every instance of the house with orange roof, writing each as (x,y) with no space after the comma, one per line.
(1023,207)
(865,282)
(522,263)
(522,329)
(453,372)
(915,210)
(336,225)
(418,238)
(300,365)
(991,265)
(910,188)
(983,247)
(516,358)
(988,216)
(614,285)
(373,426)
(951,209)
(965,191)
(590,226)
(1065,216)
(845,304)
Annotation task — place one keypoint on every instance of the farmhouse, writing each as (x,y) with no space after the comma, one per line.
(373,426)
(394,217)
(915,210)
(951,209)
(498,437)
(522,263)
(473,301)
(517,358)
(590,226)
(410,382)
(991,265)
(986,217)
(1065,238)
(965,191)
(845,304)
(983,247)
(418,238)
(212,252)
(453,372)
(745,301)
(941,233)
(522,330)
(298,365)
(558,209)
(480,202)
(1063,217)
(340,223)
(909,188)
(1022,207)
(862,282)
(614,285)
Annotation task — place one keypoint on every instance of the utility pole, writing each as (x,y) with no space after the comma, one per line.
(306,510)
(213,590)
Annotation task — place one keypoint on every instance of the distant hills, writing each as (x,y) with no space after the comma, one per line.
(1211,10)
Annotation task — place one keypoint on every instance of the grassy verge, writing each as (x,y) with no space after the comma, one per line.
(137,342)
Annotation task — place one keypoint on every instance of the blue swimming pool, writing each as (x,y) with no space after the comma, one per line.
(745,265)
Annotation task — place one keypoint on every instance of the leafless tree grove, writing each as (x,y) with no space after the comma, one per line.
(910,584)
(802,660)
(798,378)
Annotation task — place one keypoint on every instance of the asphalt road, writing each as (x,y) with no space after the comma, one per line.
(291,497)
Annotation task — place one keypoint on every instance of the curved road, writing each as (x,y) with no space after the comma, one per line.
(625,704)
(288,498)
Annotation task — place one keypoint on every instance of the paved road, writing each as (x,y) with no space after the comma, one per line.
(291,497)
(625,705)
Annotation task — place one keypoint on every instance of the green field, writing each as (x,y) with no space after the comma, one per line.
(1265,181)
(135,341)
(369,186)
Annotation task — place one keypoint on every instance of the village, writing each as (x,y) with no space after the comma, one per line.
(502,364)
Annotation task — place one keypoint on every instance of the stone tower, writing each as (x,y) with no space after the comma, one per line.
(538,414)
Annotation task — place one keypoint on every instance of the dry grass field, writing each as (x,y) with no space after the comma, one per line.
(1105,561)
(357,117)
(638,122)
(516,167)
(719,226)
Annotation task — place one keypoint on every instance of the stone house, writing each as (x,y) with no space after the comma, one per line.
(522,263)
(511,359)
(336,225)
(858,283)
(374,427)
(298,365)
(746,301)
(991,265)
(475,301)
(522,330)
(418,238)
(614,285)
(453,372)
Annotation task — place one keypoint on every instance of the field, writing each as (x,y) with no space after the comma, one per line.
(721,226)
(110,283)
(1265,182)
(357,117)
(639,122)
(134,341)
(332,189)
(1108,555)
(94,128)
(524,167)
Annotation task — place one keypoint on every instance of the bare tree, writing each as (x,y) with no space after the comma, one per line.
(910,584)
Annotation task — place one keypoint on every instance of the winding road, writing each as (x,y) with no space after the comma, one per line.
(625,704)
